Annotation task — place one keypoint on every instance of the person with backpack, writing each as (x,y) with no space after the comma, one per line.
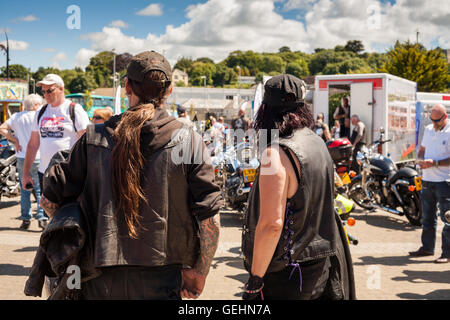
(55,127)
(21,123)
(154,216)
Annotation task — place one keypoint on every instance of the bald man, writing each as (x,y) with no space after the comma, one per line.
(434,159)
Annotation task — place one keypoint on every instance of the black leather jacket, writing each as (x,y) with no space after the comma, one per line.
(67,241)
(179,193)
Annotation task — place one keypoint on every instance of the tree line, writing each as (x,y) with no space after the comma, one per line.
(429,68)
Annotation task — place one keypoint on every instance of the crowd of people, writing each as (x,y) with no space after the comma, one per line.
(153,223)
(41,130)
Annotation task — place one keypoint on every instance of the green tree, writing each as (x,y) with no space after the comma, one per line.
(16,71)
(414,62)
(205,60)
(272,63)
(88,102)
(320,59)
(247,59)
(224,75)
(200,69)
(82,83)
(355,46)
(100,67)
(284,49)
(184,64)
(298,69)
(353,65)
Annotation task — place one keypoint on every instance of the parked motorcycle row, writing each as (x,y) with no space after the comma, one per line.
(380,184)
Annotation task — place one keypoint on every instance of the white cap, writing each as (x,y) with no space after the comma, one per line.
(51,79)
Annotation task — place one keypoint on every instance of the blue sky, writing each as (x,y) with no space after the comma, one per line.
(213,28)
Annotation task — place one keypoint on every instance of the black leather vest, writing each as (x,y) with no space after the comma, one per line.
(171,231)
(310,230)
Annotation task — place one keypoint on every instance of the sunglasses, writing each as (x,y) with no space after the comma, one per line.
(48,91)
(97,118)
(437,120)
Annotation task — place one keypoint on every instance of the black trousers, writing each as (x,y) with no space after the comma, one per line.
(134,283)
(282,286)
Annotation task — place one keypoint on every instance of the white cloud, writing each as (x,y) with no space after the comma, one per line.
(29,18)
(216,28)
(118,24)
(16,45)
(57,59)
(83,57)
(154,9)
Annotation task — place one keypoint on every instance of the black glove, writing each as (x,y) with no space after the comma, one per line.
(253,289)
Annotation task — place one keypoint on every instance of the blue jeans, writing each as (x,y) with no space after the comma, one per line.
(25,202)
(434,193)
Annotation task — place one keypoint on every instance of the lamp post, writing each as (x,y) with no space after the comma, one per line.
(6,49)
(34,85)
(239,82)
(204,85)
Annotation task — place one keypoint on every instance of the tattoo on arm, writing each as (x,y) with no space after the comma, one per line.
(49,207)
(209,239)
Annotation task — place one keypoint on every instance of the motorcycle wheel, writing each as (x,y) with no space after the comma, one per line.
(357,194)
(412,208)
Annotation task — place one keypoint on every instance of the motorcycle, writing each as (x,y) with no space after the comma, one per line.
(344,207)
(235,171)
(9,176)
(341,152)
(382,186)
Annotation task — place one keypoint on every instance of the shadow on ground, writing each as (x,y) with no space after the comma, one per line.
(391,222)
(425,276)
(235,261)
(13,270)
(26,249)
(18,229)
(388,261)
(433,295)
(8,204)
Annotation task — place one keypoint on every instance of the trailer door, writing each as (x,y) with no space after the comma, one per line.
(361,104)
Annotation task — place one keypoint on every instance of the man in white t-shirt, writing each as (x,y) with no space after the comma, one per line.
(21,123)
(434,155)
(54,128)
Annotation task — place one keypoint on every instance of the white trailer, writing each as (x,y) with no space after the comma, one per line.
(381,101)
(426,101)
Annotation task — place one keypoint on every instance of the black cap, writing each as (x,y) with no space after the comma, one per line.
(181,109)
(285,91)
(147,61)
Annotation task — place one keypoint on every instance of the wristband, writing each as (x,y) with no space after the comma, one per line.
(255,284)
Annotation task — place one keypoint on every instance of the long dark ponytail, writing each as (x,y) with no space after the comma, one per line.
(127,161)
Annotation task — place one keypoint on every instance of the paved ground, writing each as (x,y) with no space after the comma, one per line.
(382,267)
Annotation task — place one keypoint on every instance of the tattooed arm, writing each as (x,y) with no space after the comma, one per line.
(194,279)
(49,207)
